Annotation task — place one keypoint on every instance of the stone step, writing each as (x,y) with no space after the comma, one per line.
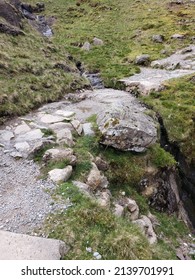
(14,246)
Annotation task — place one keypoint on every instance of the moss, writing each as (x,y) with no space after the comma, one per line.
(160,158)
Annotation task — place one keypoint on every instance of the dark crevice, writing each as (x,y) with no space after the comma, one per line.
(186,179)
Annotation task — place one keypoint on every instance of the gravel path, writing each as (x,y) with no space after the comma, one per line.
(24,202)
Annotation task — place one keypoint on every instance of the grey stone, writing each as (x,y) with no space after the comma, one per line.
(146,227)
(132,209)
(126,129)
(101,164)
(103,198)
(16,155)
(60,175)
(119,210)
(87,129)
(158,38)
(84,188)
(86,46)
(64,136)
(149,80)
(95,180)
(6,135)
(23,247)
(23,128)
(32,135)
(49,119)
(77,126)
(59,154)
(66,114)
(178,36)
(97,42)
(22,146)
(143,60)
(60,125)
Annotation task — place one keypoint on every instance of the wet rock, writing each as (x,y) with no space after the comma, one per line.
(60,154)
(60,175)
(143,60)
(126,129)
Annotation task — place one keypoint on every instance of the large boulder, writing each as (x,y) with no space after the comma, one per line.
(125,127)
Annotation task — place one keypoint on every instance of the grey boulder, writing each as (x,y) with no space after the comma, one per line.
(126,127)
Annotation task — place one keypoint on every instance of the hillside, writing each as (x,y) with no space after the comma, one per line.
(51,51)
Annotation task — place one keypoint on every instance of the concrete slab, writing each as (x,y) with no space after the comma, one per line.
(15,246)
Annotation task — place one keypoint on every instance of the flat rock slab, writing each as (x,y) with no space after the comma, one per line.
(150,79)
(15,246)
(49,119)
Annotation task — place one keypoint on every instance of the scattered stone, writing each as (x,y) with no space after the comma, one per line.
(95,180)
(119,210)
(84,188)
(64,136)
(101,164)
(77,126)
(88,130)
(143,60)
(24,247)
(125,129)
(158,38)
(60,175)
(86,46)
(104,198)
(132,209)
(89,249)
(23,128)
(178,36)
(145,225)
(97,42)
(97,255)
(60,154)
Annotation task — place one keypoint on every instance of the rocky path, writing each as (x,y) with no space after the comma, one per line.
(154,78)
(25,199)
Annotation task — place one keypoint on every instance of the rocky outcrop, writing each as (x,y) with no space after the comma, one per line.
(126,128)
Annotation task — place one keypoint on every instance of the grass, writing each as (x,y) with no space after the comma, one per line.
(176,105)
(86,224)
